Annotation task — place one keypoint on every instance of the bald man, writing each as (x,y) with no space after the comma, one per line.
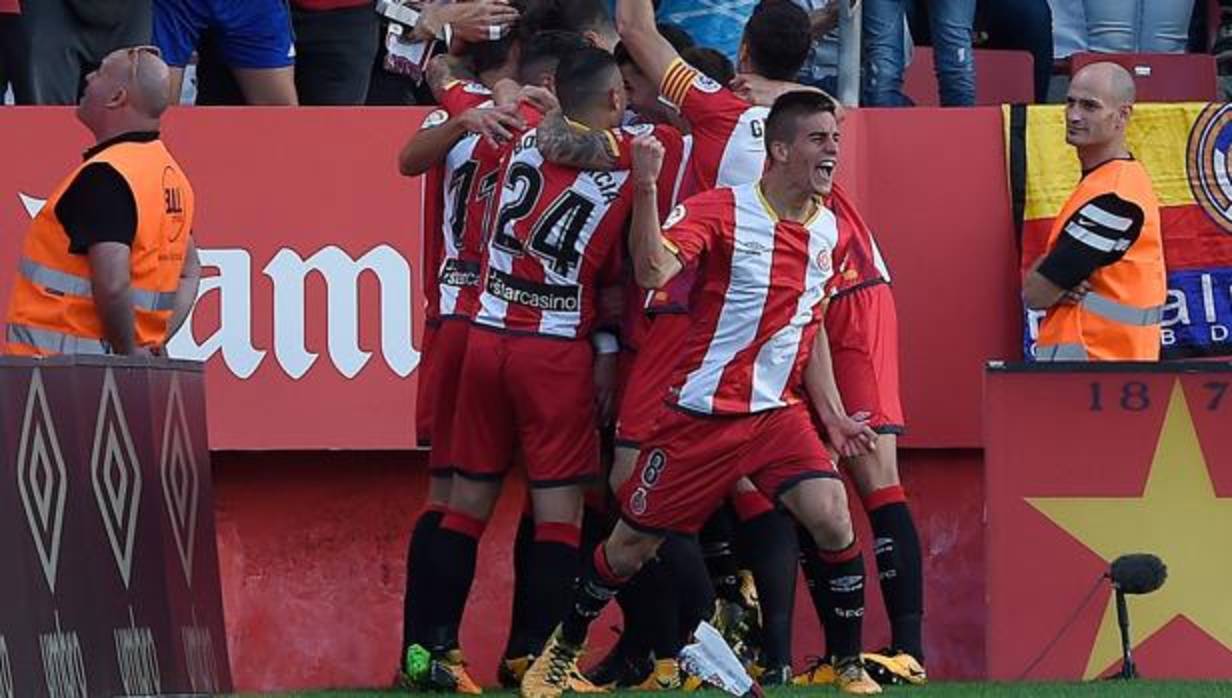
(108,265)
(1101,282)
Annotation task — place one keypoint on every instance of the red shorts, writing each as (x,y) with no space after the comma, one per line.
(650,378)
(449,350)
(863,329)
(690,463)
(426,387)
(534,392)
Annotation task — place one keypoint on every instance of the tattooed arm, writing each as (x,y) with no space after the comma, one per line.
(566,144)
(445,69)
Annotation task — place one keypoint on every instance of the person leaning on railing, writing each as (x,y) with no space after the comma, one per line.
(1102,280)
(108,265)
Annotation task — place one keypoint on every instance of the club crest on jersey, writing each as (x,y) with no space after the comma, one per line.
(675,216)
(823,260)
(705,84)
(637,502)
(436,118)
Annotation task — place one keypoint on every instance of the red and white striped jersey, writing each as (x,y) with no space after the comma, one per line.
(446,192)
(558,235)
(728,132)
(757,306)
(478,179)
(858,260)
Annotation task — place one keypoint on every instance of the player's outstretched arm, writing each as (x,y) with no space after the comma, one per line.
(430,146)
(763,91)
(850,435)
(635,21)
(654,263)
(571,146)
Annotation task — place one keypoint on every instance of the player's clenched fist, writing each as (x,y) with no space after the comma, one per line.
(647,160)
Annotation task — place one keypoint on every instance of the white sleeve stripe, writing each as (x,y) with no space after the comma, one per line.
(1106,219)
(1091,239)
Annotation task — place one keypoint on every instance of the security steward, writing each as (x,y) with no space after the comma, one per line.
(1102,281)
(108,265)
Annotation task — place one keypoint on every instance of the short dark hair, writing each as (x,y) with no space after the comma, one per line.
(677,37)
(582,77)
(711,62)
(544,51)
(778,39)
(788,109)
(566,15)
(490,55)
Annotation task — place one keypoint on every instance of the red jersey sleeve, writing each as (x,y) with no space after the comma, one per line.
(694,226)
(711,109)
(461,95)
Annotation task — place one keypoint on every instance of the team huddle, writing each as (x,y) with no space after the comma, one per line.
(651,296)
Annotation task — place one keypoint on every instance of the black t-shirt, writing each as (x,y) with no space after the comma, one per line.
(1096,235)
(99,206)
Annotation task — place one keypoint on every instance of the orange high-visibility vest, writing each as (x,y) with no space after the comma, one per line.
(52,310)
(1119,319)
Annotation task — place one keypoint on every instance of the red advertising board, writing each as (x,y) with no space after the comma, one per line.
(310,309)
(1083,465)
(310,243)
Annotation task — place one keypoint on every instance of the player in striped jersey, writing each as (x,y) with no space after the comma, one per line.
(528,375)
(739,401)
(727,130)
(470,104)
(537,61)
(861,323)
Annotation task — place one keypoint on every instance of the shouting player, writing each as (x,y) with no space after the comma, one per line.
(739,402)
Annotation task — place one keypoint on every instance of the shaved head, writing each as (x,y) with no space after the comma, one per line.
(1109,80)
(150,90)
(1098,106)
(129,92)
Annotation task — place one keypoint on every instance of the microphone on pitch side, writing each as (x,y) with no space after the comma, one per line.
(1138,573)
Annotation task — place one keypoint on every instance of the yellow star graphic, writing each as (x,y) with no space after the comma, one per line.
(1177,518)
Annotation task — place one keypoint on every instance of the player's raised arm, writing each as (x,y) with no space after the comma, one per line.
(635,21)
(655,262)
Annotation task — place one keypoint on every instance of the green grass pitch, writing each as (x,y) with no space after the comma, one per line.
(1097,689)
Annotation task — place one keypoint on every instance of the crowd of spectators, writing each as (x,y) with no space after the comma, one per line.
(350,52)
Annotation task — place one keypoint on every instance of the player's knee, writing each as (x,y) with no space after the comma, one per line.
(877,470)
(438,490)
(558,504)
(629,550)
(829,518)
(473,498)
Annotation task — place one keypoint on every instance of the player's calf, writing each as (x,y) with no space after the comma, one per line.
(820,505)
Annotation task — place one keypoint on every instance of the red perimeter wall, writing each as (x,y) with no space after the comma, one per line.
(313,551)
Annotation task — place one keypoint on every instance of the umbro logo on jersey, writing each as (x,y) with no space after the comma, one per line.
(751,247)
(674,217)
